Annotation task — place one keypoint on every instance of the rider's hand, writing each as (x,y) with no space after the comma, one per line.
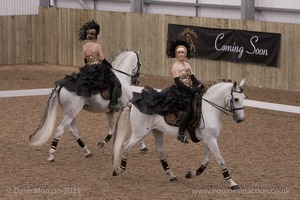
(198,89)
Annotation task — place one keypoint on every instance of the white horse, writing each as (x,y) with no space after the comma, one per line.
(126,67)
(219,99)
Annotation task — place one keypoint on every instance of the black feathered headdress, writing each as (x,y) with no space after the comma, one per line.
(88,25)
(171,48)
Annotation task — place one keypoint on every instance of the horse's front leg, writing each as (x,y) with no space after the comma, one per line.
(214,148)
(73,129)
(207,155)
(159,143)
(112,126)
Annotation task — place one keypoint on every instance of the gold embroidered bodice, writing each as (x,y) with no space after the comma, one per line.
(185,77)
(93,59)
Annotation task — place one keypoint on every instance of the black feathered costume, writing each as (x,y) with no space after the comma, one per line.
(173,98)
(92,78)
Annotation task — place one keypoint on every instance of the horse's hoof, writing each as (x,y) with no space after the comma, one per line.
(115,173)
(173,179)
(145,149)
(89,155)
(235,187)
(189,175)
(51,159)
(99,145)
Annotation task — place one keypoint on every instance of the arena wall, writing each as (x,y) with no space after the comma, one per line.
(52,37)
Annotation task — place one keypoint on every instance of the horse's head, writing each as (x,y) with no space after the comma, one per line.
(128,63)
(235,101)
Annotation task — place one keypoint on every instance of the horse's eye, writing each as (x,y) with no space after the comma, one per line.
(236,99)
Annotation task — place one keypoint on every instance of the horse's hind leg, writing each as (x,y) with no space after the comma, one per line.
(112,126)
(59,132)
(73,129)
(132,141)
(159,143)
(143,147)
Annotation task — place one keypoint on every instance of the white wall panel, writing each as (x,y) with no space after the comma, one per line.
(220,13)
(113,6)
(171,10)
(291,4)
(27,7)
(19,7)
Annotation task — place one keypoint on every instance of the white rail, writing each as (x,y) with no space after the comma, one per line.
(249,103)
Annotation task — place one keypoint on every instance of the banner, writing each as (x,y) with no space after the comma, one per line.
(229,44)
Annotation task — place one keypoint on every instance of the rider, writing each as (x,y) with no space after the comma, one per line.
(94,57)
(186,84)
(176,98)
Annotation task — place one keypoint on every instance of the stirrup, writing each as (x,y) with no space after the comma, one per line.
(182,139)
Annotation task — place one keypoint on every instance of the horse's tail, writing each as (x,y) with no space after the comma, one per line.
(122,126)
(42,134)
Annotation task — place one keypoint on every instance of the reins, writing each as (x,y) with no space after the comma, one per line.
(138,68)
(226,110)
(220,108)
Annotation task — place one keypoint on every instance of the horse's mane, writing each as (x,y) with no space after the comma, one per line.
(218,81)
(221,81)
(121,52)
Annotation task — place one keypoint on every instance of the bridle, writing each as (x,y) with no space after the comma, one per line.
(135,77)
(231,99)
(137,68)
(231,108)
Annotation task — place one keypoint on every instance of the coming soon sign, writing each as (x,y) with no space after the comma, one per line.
(229,44)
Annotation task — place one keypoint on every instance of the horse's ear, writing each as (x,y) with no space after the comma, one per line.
(139,51)
(234,84)
(242,83)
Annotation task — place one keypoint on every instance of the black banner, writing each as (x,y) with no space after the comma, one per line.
(229,44)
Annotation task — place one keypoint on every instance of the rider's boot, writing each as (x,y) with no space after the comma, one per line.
(113,105)
(184,121)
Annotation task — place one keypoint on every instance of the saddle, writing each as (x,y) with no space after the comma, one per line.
(173,118)
(106,93)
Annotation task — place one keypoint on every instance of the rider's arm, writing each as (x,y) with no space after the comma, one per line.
(193,77)
(180,84)
(195,80)
(107,63)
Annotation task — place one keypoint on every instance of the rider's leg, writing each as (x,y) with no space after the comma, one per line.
(183,124)
(113,105)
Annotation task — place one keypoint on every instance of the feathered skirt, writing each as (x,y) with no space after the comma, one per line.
(91,80)
(151,101)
